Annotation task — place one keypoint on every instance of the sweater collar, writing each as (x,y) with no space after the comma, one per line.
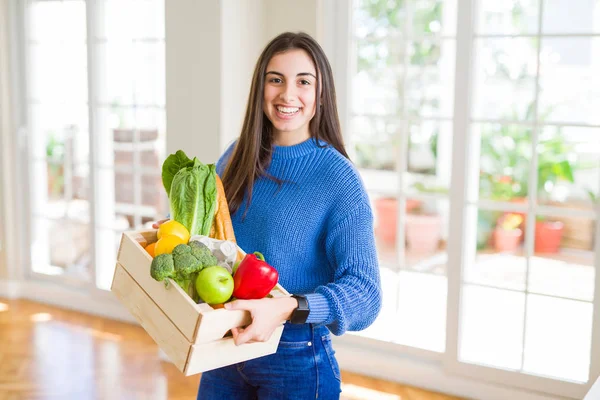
(297,150)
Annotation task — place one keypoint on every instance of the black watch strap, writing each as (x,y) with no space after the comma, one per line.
(300,314)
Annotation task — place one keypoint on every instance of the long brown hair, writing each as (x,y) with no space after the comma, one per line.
(252,154)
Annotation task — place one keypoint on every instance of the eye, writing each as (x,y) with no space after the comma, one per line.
(275,80)
(305,82)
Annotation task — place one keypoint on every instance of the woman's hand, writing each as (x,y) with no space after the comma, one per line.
(267,314)
(159,223)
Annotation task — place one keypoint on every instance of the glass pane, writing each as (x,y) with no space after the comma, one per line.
(52,21)
(505,78)
(376,142)
(569,82)
(422,311)
(560,271)
(508,17)
(128,201)
(558,338)
(429,157)
(377,87)
(505,155)
(569,167)
(379,18)
(430,80)
(131,73)
(499,259)
(434,17)
(59,189)
(584,16)
(133,19)
(116,73)
(58,72)
(59,131)
(426,228)
(109,241)
(126,131)
(386,229)
(149,74)
(492,327)
(62,247)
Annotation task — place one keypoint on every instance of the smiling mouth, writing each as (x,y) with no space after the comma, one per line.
(287,111)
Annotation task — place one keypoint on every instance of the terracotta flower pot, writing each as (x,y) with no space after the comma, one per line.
(507,239)
(548,235)
(423,232)
(387,217)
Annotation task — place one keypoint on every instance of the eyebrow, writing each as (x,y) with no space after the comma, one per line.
(300,74)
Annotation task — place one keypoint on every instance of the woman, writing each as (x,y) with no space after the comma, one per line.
(294,196)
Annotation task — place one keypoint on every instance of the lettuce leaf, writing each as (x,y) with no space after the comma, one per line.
(193,193)
(171,167)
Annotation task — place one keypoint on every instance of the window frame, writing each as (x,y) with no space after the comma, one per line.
(463,190)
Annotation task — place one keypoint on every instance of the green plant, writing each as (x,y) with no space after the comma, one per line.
(506,153)
(55,153)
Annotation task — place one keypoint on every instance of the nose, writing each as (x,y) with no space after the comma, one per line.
(288,93)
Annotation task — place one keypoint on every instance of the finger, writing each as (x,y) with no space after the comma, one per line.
(158,223)
(238,305)
(235,333)
(245,336)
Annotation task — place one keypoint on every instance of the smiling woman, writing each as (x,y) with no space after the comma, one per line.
(295,197)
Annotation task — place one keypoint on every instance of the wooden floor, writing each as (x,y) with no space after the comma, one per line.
(52,353)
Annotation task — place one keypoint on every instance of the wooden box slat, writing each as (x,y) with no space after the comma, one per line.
(207,356)
(152,319)
(172,300)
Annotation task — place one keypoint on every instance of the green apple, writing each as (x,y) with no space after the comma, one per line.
(214,285)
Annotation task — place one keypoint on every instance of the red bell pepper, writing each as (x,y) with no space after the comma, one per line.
(254,278)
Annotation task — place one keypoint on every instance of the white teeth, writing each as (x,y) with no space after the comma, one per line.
(288,110)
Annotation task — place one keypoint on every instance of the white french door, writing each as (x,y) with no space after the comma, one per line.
(474,126)
(95,99)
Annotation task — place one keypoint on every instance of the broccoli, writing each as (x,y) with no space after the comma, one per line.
(162,267)
(186,264)
(181,249)
(183,266)
(203,254)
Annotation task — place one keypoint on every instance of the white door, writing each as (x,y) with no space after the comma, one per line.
(96,131)
(475,126)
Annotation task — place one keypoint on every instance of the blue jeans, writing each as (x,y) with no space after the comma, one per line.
(304,367)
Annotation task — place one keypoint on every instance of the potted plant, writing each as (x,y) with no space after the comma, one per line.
(507,234)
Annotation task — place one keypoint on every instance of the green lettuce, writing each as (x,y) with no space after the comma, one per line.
(171,167)
(192,190)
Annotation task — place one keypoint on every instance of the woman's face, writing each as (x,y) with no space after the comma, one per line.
(289,96)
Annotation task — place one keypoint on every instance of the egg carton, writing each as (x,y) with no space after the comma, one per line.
(226,251)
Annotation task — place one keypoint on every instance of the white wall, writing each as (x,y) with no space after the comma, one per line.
(211,51)
(193,77)
(242,39)
(291,15)
(8,244)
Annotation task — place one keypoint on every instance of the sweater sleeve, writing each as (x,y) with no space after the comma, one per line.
(353,300)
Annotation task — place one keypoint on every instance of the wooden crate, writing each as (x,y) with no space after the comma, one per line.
(192,335)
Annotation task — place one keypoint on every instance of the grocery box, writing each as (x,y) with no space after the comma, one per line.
(194,336)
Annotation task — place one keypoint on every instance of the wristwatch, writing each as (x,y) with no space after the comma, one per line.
(300,313)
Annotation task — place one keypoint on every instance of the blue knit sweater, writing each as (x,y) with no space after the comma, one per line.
(317,231)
